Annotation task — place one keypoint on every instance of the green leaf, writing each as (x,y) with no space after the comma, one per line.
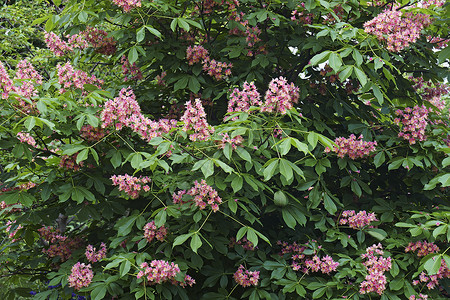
(181,239)
(362,77)
(124,268)
(240,234)
(379,159)
(378,94)
(377,233)
(243,154)
(224,166)
(299,145)
(154,31)
(116,159)
(433,264)
(312,139)
(320,58)
(208,168)
(345,73)
(133,55)
(237,183)
(440,230)
(329,204)
(98,293)
(82,16)
(252,236)
(181,83)
(357,57)
(82,155)
(335,61)
(444,54)
(288,218)
(140,34)
(196,242)
(270,170)
(194,84)
(286,170)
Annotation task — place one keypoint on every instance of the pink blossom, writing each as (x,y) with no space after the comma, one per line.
(194,119)
(158,271)
(129,184)
(357,220)
(354,148)
(245,277)
(124,111)
(202,194)
(423,248)
(280,96)
(397,28)
(69,77)
(375,280)
(131,71)
(93,256)
(243,100)
(81,276)
(127,5)
(413,122)
(151,231)
(25,137)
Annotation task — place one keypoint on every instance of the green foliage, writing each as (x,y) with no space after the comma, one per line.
(278,180)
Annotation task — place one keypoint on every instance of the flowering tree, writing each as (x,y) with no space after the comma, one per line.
(228,150)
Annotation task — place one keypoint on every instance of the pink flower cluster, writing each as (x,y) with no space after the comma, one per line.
(12,234)
(280,96)
(59,245)
(94,256)
(151,231)
(99,40)
(245,277)
(352,147)
(413,123)
(301,262)
(25,137)
(216,69)
(424,248)
(131,185)
(131,72)
(433,280)
(92,134)
(81,276)
(234,142)
(28,77)
(160,78)
(125,111)
(251,33)
(68,77)
(127,5)
(246,244)
(188,280)
(430,91)
(6,84)
(243,100)
(194,119)
(397,28)
(70,162)
(159,271)
(357,220)
(300,16)
(203,194)
(196,54)
(326,265)
(60,47)
(375,281)
(418,297)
